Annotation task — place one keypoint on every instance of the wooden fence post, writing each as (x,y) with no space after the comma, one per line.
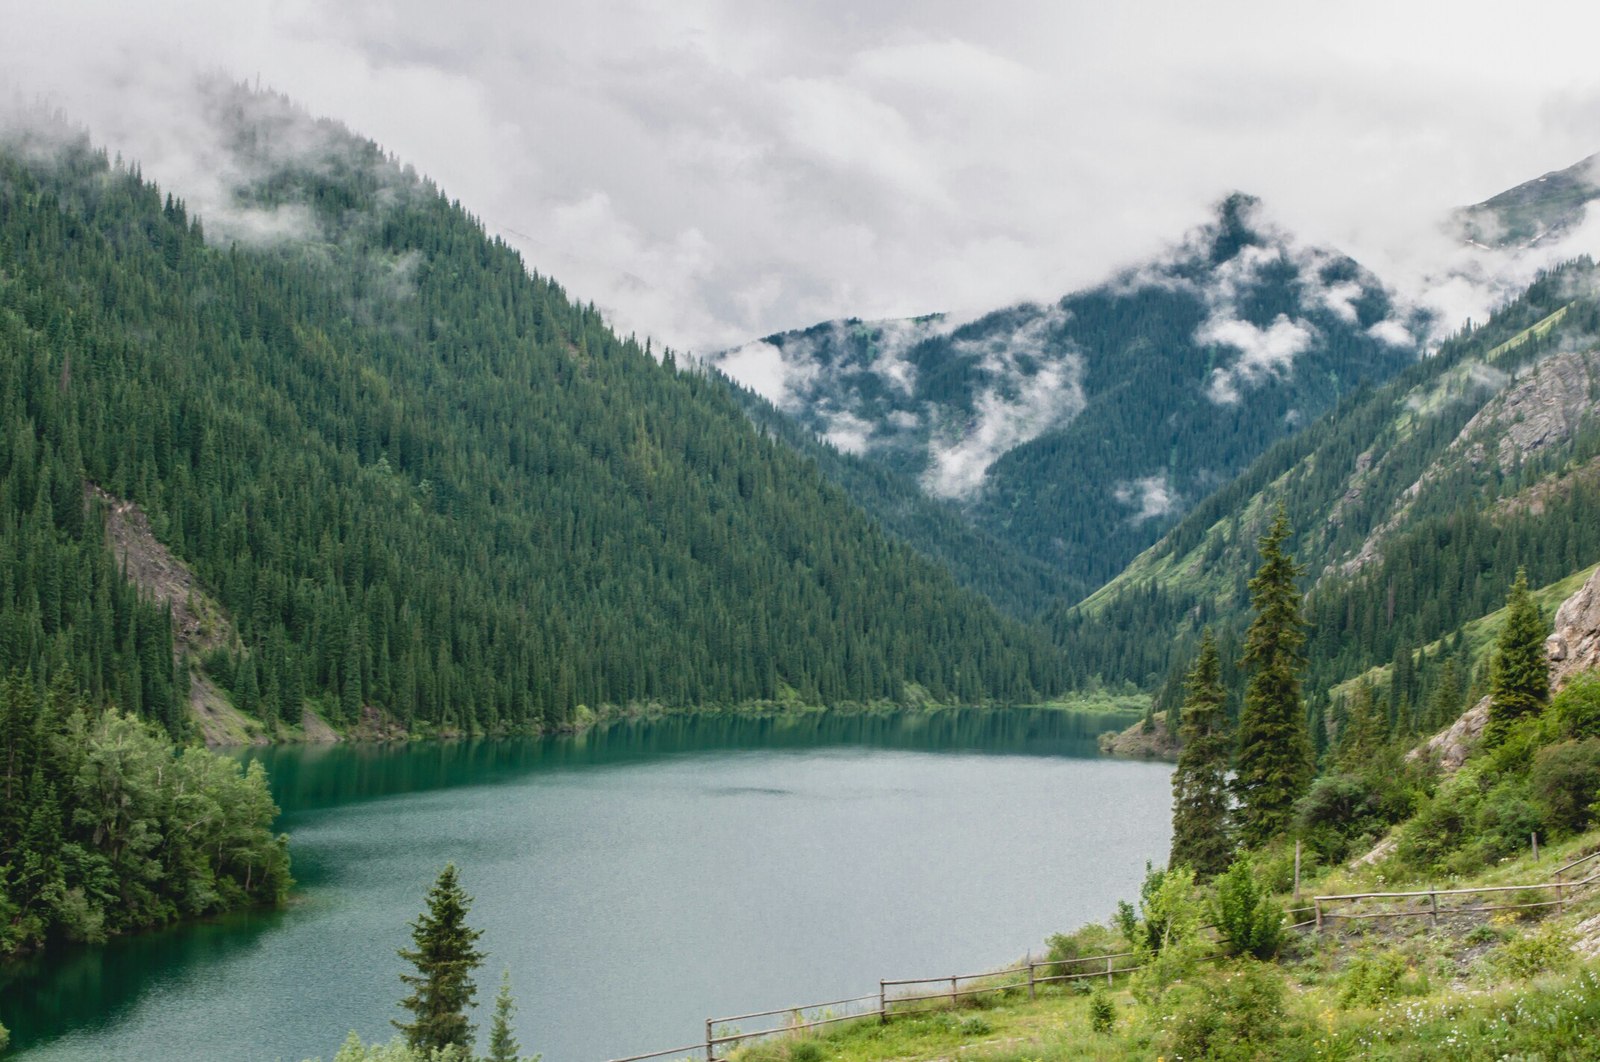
(1030,981)
(883,1005)
(952,992)
(1535,847)
(1110,962)
(709,1037)
(1433,902)
(1316,902)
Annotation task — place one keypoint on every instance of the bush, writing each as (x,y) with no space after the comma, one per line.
(1505,820)
(1564,782)
(1090,940)
(1371,979)
(1168,911)
(1547,948)
(1440,825)
(972,1025)
(1248,922)
(1102,1012)
(1232,1012)
(1342,808)
(805,1051)
(1576,709)
(1336,809)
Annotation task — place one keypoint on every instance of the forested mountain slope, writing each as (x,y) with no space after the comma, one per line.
(1414,504)
(1535,211)
(416,476)
(1078,432)
(938,528)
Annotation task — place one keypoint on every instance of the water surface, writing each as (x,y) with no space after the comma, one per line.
(635,881)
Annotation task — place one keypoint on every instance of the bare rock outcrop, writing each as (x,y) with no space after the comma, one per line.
(1574,645)
(1452,746)
(1543,407)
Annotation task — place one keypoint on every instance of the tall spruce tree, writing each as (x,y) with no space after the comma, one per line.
(1519,678)
(1275,764)
(1200,783)
(445,955)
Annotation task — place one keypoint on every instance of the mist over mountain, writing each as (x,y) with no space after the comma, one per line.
(1538,211)
(1077,432)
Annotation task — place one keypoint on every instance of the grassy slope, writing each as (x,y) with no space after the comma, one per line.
(1460,997)
(1480,634)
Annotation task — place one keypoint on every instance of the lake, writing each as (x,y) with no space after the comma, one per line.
(635,880)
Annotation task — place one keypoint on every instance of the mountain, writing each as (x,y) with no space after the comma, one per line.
(1414,503)
(1533,212)
(1076,433)
(418,479)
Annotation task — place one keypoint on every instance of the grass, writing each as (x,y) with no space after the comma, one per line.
(1494,987)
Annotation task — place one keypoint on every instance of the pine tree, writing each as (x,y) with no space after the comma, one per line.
(445,956)
(1519,678)
(1200,783)
(503,1046)
(1363,731)
(1275,764)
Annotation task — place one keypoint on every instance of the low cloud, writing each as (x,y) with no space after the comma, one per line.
(1150,497)
(1262,352)
(1035,383)
(715,171)
(957,468)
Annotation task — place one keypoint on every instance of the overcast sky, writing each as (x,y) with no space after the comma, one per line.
(707,172)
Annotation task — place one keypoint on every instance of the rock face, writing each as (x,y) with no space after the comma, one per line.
(1572,648)
(1539,410)
(1575,644)
(1452,746)
(1134,744)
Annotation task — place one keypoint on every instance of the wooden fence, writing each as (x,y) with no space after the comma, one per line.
(897,998)
(1567,880)
(906,996)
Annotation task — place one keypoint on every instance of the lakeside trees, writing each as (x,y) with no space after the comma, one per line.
(1275,763)
(1200,782)
(105,827)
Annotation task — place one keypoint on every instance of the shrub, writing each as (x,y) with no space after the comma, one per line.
(972,1025)
(1505,818)
(1337,808)
(1246,919)
(1443,822)
(1341,808)
(1576,709)
(1371,979)
(1547,948)
(1232,1012)
(1090,940)
(1564,781)
(1168,911)
(805,1051)
(1102,1012)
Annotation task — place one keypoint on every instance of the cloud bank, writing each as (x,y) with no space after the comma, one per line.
(711,171)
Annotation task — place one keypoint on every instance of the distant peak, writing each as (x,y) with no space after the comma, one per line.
(1237,226)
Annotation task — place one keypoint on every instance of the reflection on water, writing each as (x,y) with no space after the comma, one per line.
(309,777)
(746,862)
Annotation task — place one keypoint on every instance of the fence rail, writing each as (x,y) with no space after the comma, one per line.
(1562,888)
(886,1004)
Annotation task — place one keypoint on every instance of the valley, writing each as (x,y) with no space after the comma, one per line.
(339,542)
